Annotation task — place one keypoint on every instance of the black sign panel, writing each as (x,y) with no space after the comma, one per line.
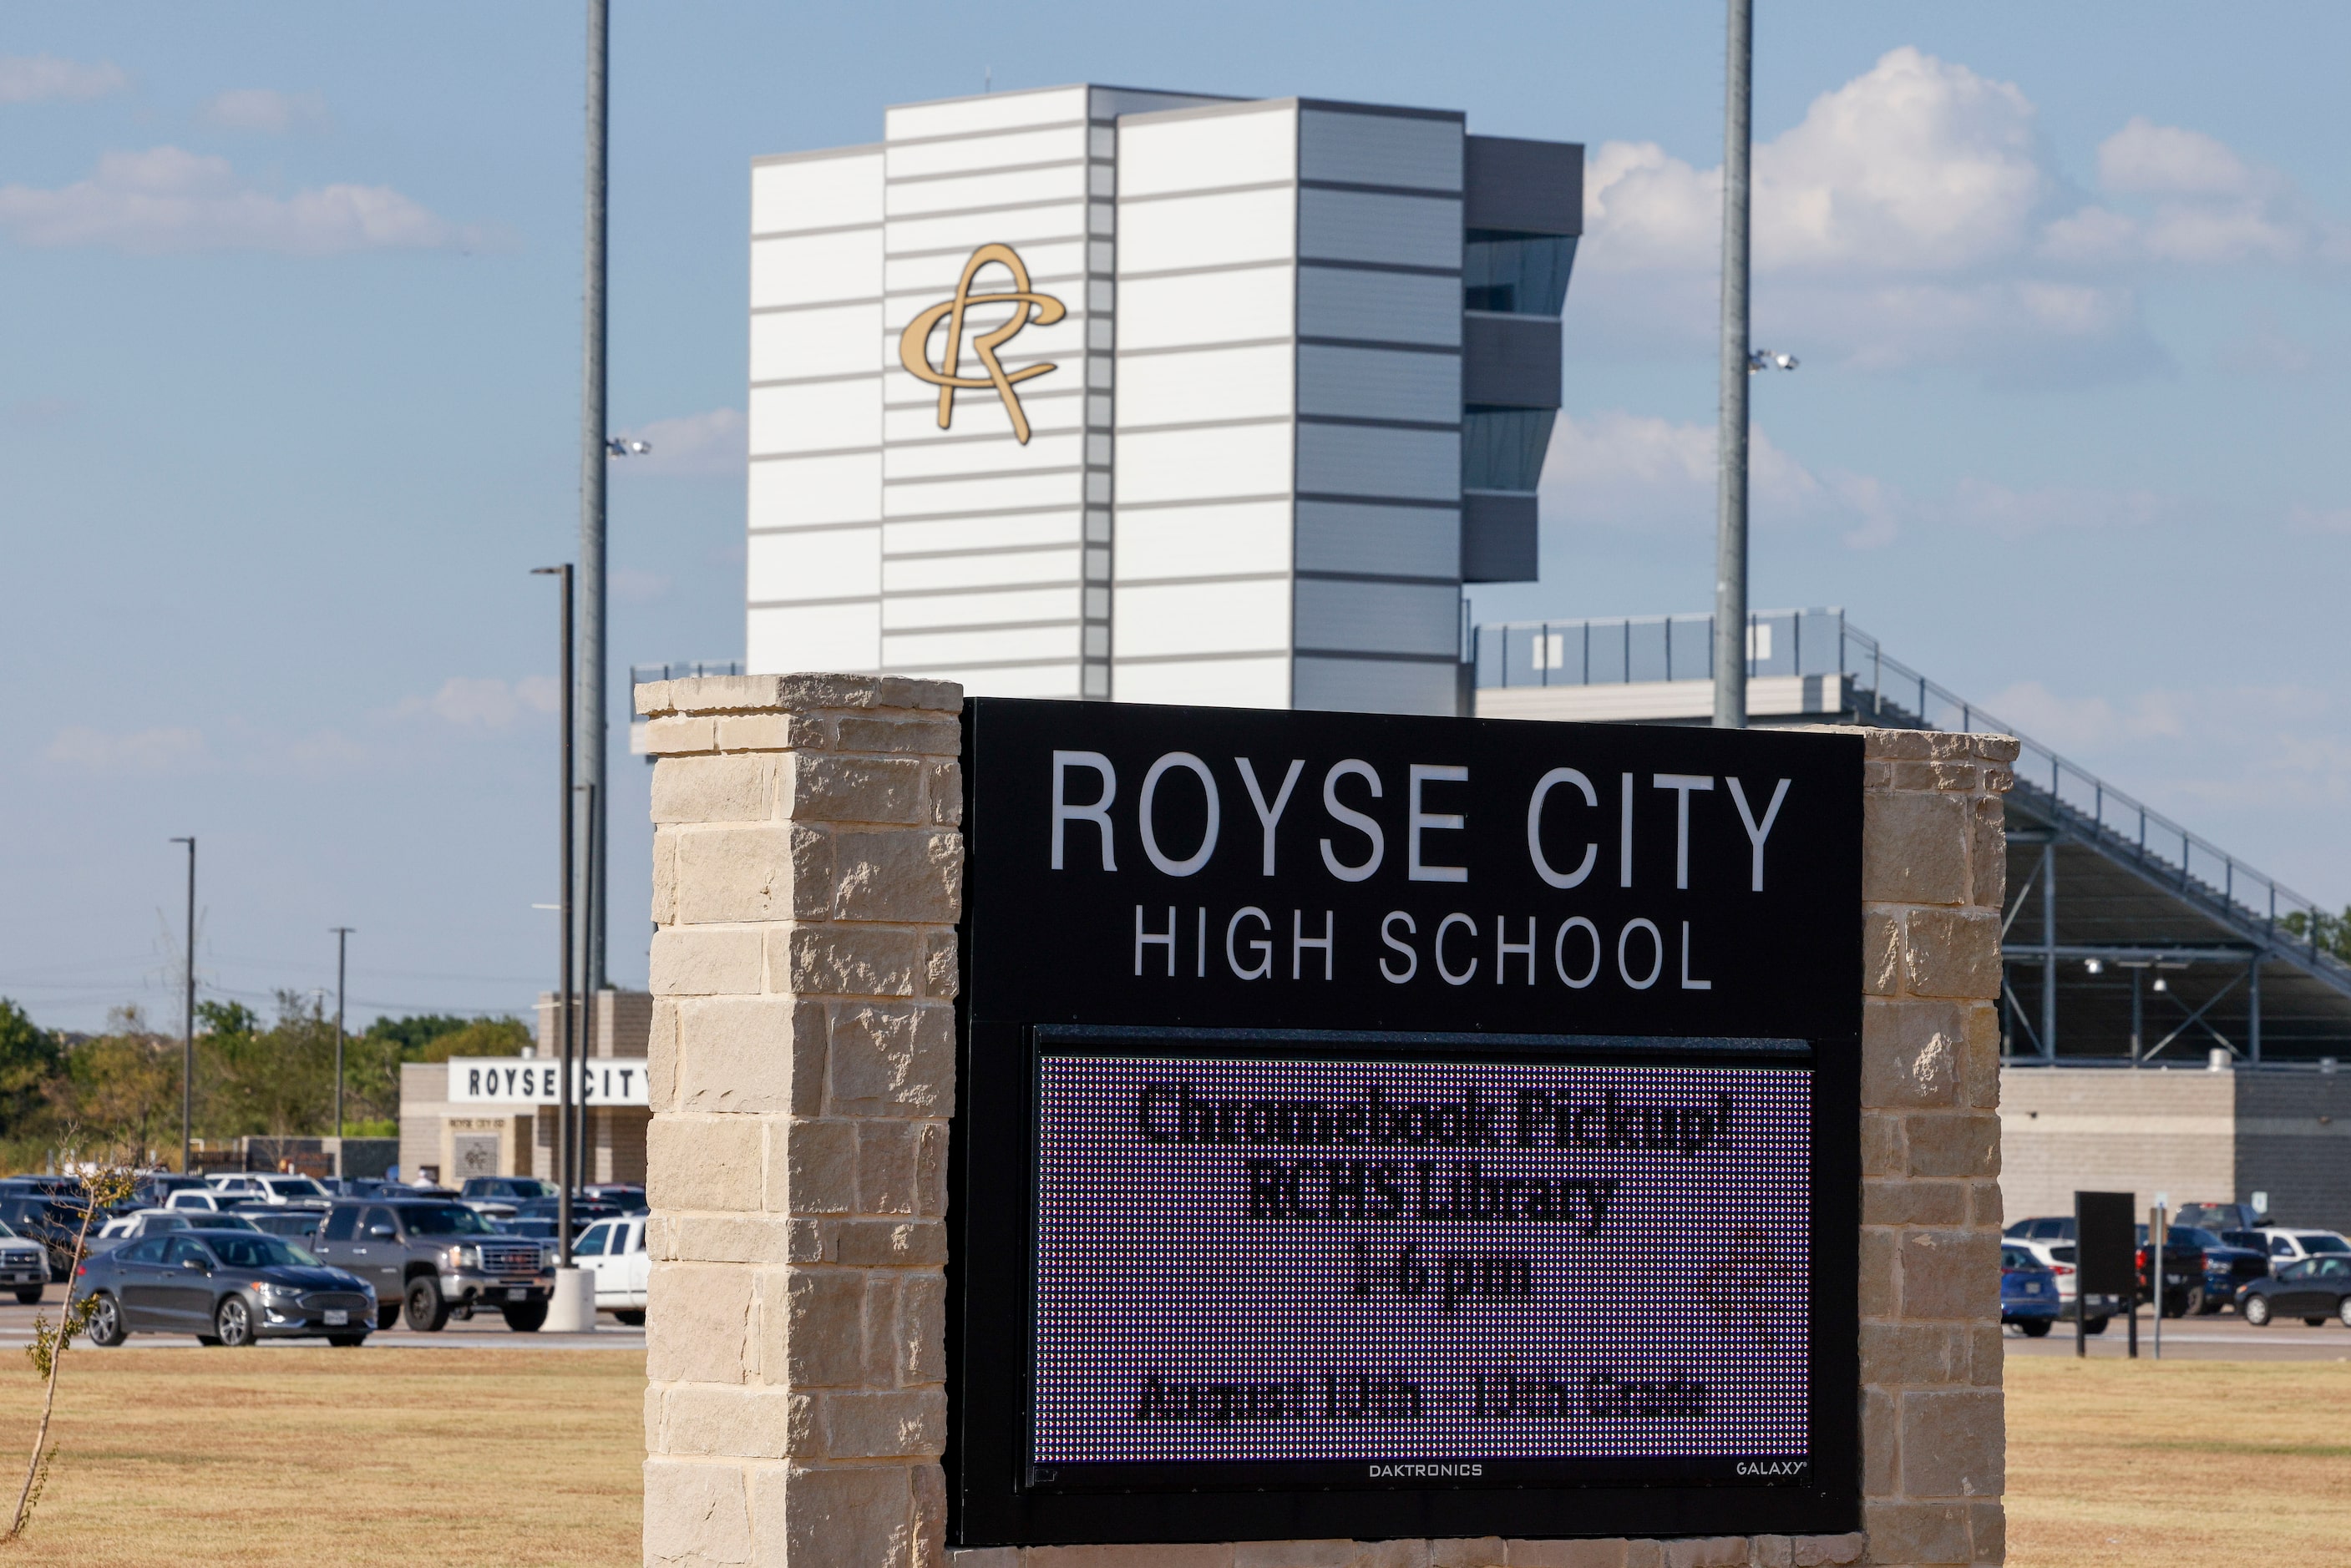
(1375,1126)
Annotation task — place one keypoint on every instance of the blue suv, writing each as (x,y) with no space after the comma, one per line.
(2028,1292)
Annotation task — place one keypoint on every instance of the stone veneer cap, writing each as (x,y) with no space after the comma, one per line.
(795,694)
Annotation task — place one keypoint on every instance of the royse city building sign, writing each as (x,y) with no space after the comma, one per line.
(1391,1125)
(538,1081)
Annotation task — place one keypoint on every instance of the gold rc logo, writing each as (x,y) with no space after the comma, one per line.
(914,343)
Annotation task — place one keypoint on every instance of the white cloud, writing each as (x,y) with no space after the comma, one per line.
(45,79)
(173,749)
(690,445)
(1638,472)
(1915,216)
(167,199)
(2083,724)
(2319,519)
(483,703)
(636,588)
(2145,159)
(267,111)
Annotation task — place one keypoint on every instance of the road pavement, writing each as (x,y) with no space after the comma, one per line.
(2221,1337)
(487,1330)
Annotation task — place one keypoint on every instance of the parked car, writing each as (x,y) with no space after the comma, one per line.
(23,1266)
(361,1186)
(2050,1241)
(2228,1267)
(299,1224)
(628,1196)
(583,1211)
(2028,1290)
(48,1216)
(2218,1217)
(2287,1246)
(2183,1270)
(614,1252)
(2312,1289)
(126,1228)
(225,1287)
(199,1201)
(513,1190)
(434,1259)
(265,1187)
(537,1227)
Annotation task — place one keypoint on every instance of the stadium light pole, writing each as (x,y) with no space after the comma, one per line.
(594,451)
(564,920)
(1730,442)
(188,1020)
(342,938)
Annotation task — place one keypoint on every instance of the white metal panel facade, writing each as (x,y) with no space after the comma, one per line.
(1207,448)
(813,568)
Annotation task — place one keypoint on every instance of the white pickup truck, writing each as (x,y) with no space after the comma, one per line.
(615,1251)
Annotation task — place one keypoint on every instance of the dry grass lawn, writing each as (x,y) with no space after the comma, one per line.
(321,1457)
(309,1457)
(2216,1463)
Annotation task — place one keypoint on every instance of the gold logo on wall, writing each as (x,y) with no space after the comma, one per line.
(914,343)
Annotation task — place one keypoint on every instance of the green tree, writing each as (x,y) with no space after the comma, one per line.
(2334,931)
(29,1057)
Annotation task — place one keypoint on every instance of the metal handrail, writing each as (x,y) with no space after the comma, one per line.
(1884,690)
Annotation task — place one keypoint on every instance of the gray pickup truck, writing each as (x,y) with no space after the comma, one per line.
(433,1259)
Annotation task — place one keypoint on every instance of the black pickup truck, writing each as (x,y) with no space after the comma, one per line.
(2183,1270)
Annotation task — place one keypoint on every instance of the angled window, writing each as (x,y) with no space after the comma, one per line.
(1517,274)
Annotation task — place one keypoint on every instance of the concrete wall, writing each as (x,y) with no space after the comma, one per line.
(806,878)
(2192,1134)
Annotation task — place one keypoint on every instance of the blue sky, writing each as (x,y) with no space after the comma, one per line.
(289,400)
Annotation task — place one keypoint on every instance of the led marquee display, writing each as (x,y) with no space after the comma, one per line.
(1373,1266)
(1371,1127)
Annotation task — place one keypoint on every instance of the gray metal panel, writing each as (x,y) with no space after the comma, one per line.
(1378,541)
(1497,537)
(1509,361)
(1383,383)
(1382,307)
(1527,187)
(1360,149)
(1376,685)
(1361,226)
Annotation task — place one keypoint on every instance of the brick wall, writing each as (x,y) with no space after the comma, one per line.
(2069,1129)
(806,881)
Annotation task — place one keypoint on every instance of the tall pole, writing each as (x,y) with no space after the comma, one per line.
(188,1020)
(563,918)
(591,882)
(592,459)
(1731,511)
(343,939)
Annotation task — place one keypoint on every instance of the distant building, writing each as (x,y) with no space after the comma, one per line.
(1093,392)
(479,1115)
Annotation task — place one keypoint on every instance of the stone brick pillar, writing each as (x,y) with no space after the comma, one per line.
(1934,872)
(806,876)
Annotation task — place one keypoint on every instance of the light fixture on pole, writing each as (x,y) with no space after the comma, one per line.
(342,938)
(627,446)
(188,1020)
(1765,360)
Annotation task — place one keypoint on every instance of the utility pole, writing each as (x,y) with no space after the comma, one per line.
(1731,511)
(342,937)
(593,455)
(188,1020)
(564,919)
